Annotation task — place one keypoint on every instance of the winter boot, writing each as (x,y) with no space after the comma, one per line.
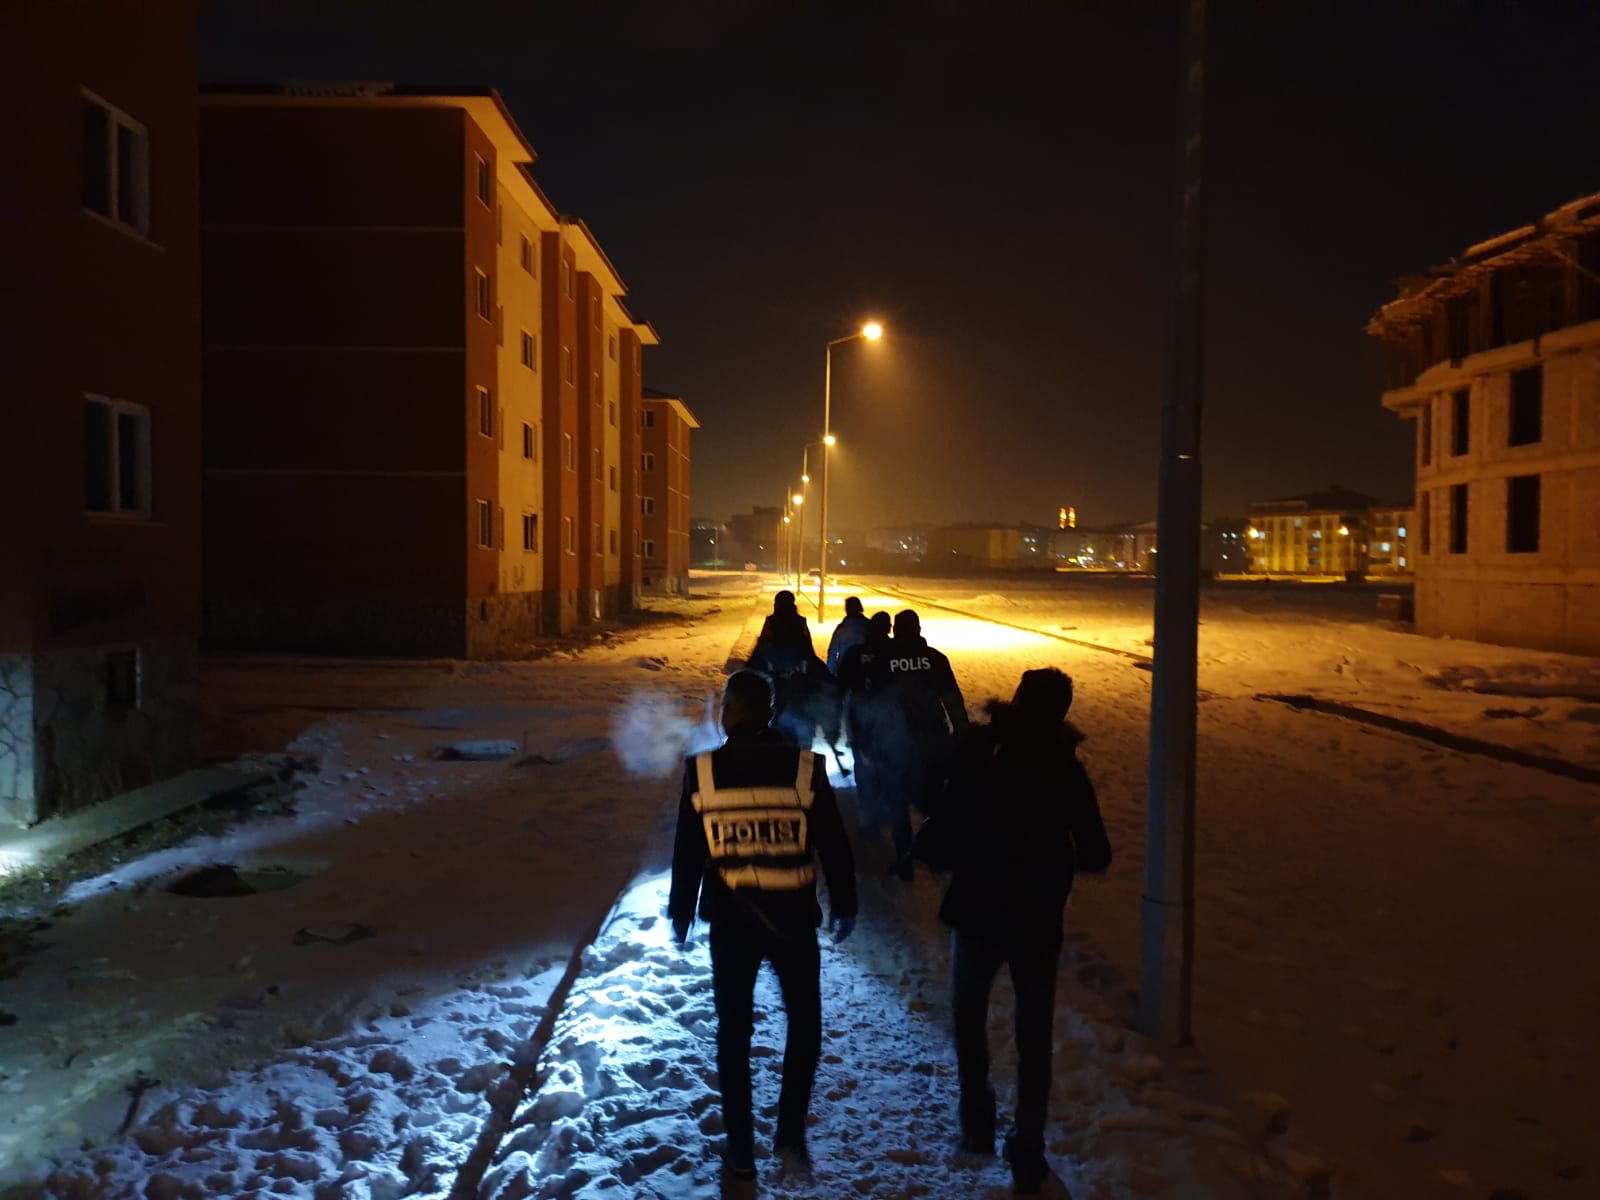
(977,1123)
(1028,1167)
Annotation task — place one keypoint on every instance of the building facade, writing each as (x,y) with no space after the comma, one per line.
(966,546)
(1496,358)
(100,460)
(663,464)
(422,383)
(1337,533)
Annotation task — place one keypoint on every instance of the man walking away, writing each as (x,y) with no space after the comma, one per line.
(923,706)
(1019,818)
(755,817)
(861,671)
(785,654)
(851,631)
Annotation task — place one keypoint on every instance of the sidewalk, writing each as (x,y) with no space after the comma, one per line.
(203,1047)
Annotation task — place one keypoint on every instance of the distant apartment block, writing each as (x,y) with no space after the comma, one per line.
(968,546)
(100,457)
(422,384)
(1337,533)
(1106,548)
(1496,357)
(663,490)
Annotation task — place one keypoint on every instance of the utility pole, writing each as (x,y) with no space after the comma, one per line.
(1166,979)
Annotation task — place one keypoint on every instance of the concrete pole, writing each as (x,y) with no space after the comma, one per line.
(822,518)
(1167,911)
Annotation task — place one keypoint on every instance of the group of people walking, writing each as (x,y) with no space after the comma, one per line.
(1007,811)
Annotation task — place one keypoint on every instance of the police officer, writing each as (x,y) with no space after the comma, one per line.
(755,817)
(923,705)
(860,673)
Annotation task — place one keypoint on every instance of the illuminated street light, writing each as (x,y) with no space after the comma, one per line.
(798,498)
(871,331)
(829,440)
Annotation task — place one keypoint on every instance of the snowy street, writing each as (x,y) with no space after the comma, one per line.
(1395,992)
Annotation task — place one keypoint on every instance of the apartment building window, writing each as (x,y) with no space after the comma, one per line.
(649,461)
(527,350)
(1527,407)
(485,524)
(611,536)
(1458,519)
(528,450)
(484,182)
(115,165)
(116,457)
(594,539)
(1425,523)
(568,543)
(647,419)
(611,348)
(566,363)
(613,477)
(597,472)
(485,412)
(566,278)
(594,387)
(649,548)
(594,310)
(485,300)
(1461,422)
(647,505)
(612,413)
(568,453)
(530,531)
(1425,433)
(123,679)
(1522,514)
(525,254)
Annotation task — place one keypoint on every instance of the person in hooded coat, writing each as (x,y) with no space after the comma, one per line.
(1018,820)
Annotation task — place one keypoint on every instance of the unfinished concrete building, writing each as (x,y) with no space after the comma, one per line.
(1496,357)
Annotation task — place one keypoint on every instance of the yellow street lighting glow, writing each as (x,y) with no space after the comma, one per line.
(805,479)
(798,498)
(830,440)
(872,331)
(1344,531)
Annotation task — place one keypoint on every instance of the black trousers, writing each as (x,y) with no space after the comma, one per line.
(737,950)
(976,961)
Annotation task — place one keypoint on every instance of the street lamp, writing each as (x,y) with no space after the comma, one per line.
(795,544)
(871,332)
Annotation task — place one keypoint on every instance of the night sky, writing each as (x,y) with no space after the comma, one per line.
(995,182)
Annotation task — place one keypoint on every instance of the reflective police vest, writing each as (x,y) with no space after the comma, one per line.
(758,835)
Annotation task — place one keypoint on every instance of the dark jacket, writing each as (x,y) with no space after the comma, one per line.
(766,844)
(1019,817)
(922,695)
(851,631)
(784,652)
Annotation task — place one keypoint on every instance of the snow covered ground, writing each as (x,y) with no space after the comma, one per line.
(1395,987)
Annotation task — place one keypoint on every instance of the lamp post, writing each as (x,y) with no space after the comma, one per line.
(871,331)
(800,531)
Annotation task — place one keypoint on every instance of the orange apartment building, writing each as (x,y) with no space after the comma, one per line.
(100,457)
(664,425)
(422,383)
